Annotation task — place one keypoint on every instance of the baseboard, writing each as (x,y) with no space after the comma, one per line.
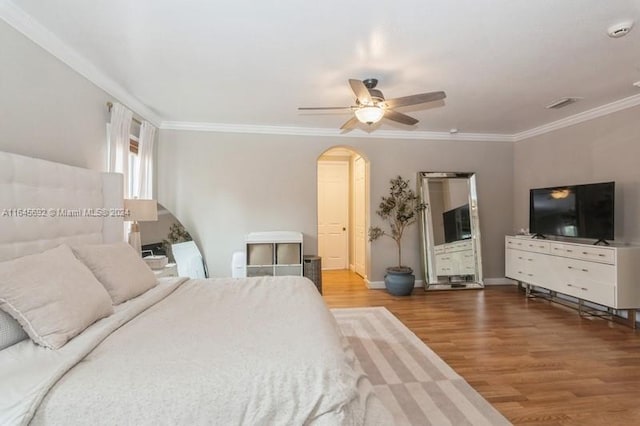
(499,281)
(379,285)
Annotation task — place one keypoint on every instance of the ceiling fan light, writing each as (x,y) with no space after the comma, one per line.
(369,114)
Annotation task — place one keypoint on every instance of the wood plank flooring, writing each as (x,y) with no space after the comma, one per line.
(535,361)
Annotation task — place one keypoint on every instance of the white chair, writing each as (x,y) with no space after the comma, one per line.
(189,260)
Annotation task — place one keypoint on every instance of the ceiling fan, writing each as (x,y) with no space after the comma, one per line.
(371,106)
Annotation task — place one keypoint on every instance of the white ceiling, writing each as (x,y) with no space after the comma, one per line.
(241,62)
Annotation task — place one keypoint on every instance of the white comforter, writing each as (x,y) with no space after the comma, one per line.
(223,352)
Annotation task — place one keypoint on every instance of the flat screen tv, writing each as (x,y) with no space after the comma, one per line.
(580,211)
(457,224)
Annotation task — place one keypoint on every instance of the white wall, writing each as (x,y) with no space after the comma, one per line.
(222,186)
(47,110)
(599,150)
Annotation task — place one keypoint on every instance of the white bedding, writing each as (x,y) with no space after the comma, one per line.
(224,351)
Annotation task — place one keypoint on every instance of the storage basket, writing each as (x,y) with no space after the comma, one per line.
(312,269)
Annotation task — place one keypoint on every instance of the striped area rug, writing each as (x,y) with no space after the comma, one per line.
(414,383)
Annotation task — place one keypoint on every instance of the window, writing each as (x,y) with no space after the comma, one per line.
(134,166)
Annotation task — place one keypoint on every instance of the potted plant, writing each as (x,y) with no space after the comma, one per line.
(400,209)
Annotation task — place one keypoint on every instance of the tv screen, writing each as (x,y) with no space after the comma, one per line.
(581,211)
(457,224)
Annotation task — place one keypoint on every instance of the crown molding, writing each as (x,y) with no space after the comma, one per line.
(312,131)
(581,117)
(32,29)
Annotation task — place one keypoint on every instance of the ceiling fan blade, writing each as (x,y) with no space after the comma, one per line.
(415,99)
(349,124)
(321,108)
(361,91)
(399,117)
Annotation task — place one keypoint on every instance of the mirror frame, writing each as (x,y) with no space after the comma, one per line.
(427,234)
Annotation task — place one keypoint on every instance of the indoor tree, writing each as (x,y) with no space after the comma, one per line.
(400,209)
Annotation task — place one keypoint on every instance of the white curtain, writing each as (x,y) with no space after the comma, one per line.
(145,161)
(119,130)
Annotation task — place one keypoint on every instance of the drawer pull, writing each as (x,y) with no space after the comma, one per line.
(569,251)
(520,257)
(530,260)
(575,286)
(584,270)
(530,275)
(601,255)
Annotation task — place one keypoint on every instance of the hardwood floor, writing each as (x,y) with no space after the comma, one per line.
(535,361)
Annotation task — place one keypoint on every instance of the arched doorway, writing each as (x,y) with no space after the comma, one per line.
(343,214)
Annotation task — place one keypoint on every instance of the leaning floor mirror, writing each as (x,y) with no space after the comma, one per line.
(450,230)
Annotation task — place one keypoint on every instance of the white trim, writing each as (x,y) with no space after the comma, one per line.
(315,131)
(24,23)
(379,285)
(581,117)
(600,111)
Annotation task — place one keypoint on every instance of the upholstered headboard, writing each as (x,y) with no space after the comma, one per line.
(44,204)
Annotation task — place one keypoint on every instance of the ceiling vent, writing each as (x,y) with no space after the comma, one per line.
(561,103)
(620,30)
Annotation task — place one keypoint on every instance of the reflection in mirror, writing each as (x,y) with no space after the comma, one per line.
(450,231)
(159,235)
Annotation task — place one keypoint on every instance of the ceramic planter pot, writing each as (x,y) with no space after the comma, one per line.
(399,282)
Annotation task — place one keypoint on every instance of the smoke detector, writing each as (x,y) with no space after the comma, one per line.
(620,30)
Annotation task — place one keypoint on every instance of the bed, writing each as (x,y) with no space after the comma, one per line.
(179,351)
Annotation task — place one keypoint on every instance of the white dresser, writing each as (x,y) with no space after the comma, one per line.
(608,276)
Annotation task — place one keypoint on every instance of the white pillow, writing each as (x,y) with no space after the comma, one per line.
(11,331)
(52,295)
(119,268)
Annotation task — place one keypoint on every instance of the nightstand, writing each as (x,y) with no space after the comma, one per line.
(170,270)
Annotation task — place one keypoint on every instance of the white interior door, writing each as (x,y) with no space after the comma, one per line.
(333,213)
(359,215)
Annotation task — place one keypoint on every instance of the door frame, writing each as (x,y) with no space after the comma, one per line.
(367,202)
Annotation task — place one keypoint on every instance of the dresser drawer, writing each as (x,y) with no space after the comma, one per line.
(459,246)
(536,246)
(592,292)
(527,244)
(594,254)
(597,254)
(514,243)
(591,271)
(565,250)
